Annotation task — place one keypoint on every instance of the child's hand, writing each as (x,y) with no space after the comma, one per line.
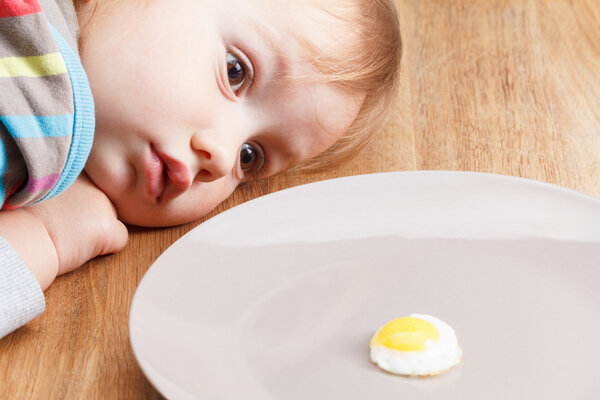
(82,224)
(58,235)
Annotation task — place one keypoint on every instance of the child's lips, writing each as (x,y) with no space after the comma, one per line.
(177,177)
(155,180)
(166,177)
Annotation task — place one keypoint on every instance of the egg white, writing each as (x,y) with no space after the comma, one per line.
(435,359)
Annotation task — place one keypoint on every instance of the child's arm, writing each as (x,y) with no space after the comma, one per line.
(29,239)
(58,235)
(49,239)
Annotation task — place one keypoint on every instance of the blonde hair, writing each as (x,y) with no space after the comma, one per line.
(370,67)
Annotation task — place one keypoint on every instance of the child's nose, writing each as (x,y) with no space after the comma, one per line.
(215,159)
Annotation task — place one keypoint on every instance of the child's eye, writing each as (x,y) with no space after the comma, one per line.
(239,71)
(252,158)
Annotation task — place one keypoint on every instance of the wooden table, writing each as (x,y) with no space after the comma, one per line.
(500,86)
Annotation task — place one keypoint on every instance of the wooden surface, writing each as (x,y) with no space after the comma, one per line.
(508,87)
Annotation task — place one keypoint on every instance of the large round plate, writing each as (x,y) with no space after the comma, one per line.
(277,298)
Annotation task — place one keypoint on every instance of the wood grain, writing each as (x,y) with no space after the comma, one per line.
(501,86)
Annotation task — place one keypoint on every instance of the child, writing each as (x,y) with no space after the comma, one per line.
(190,98)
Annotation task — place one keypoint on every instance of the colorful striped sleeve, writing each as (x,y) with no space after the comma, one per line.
(46,107)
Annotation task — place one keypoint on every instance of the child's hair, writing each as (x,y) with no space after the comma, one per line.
(370,67)
(368,63)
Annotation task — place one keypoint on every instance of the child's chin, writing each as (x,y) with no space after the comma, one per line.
(148,216)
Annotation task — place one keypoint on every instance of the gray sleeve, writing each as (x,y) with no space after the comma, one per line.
(21,297)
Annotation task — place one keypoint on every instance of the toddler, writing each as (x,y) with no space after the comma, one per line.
(183,100)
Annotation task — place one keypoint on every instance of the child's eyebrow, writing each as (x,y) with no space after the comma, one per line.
(264,32)
(279,66)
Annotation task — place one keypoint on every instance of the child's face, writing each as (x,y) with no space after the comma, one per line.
(192,94)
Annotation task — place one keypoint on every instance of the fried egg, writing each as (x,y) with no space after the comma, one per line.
(417,345)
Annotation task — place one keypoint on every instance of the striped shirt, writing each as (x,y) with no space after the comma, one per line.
(46,107)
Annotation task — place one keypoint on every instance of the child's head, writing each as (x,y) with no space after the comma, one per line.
(194,97)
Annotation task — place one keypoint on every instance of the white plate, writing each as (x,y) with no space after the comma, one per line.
(277,298)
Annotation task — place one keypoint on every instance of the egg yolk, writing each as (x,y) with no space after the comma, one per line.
(406,334)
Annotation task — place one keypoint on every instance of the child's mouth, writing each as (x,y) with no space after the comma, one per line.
(166,177)
(155,175)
